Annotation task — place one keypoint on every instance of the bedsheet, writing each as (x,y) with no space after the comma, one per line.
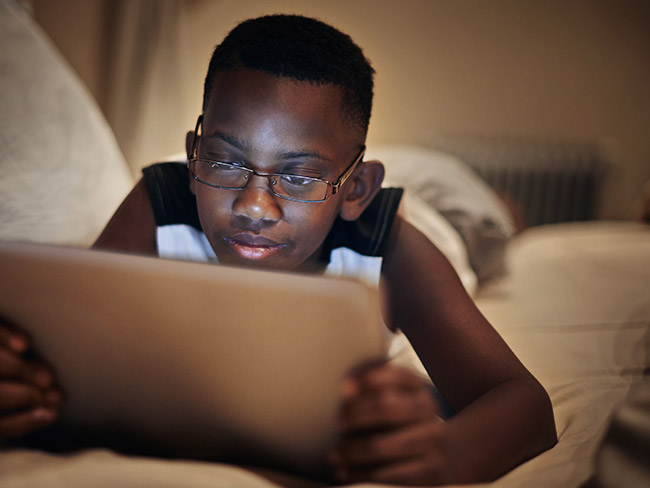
(575,308)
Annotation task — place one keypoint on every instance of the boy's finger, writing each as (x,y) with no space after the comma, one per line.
(392,446)
(53,398)
(387,408)
(15,396)
(40,374)
(13,340)
(14,366)
(387,375)
(11,365)
(20,424)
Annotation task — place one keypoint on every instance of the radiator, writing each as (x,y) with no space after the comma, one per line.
(551,181)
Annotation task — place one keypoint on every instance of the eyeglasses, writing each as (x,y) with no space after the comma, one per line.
(229,176)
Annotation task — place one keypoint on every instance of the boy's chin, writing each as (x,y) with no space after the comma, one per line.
(273,264)
(259,261)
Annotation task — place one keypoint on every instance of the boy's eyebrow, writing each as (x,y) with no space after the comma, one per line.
(303,154)
(228,138)
(242,145)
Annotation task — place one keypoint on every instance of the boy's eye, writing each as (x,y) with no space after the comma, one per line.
(221,156)
(300,172)
(295,180)
(225,165)
(301,187)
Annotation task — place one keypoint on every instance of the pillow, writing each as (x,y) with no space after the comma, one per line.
(449,187)
(62,173)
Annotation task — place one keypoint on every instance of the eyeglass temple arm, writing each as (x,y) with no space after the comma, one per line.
(195,137)
(346,174)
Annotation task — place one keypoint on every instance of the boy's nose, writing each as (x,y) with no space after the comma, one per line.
(256,202)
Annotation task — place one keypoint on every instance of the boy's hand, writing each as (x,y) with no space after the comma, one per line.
(29,397)
(391,431)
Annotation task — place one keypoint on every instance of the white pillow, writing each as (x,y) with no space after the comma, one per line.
(61,172)
(449,187)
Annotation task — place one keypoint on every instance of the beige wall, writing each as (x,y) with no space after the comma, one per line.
(570,70)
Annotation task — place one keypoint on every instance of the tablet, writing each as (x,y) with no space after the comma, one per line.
(198,359)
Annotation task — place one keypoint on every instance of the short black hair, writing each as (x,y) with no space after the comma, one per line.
(303,49)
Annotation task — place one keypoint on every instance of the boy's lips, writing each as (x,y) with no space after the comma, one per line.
(250,246)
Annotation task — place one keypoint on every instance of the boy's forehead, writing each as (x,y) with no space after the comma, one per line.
(246,79)
(240,93)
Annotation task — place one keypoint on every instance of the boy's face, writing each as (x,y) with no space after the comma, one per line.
(273,125)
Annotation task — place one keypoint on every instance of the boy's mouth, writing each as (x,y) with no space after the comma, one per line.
(250,246)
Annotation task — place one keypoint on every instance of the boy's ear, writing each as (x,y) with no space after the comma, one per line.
(364,183)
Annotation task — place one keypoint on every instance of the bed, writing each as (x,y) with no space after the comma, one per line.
(573,305)
(571,299)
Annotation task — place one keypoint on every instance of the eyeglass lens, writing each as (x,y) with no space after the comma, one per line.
(227,176)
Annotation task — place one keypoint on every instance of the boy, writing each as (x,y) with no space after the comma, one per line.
(277,180)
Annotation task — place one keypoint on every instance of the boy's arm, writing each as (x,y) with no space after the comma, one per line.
(504,416)
(133,226)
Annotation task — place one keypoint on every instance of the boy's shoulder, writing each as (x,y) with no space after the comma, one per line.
(173,203)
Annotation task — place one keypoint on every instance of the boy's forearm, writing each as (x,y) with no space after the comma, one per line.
(504,415)
(506,426)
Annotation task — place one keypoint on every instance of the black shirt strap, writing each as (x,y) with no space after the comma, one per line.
(168,185)
(369,233)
